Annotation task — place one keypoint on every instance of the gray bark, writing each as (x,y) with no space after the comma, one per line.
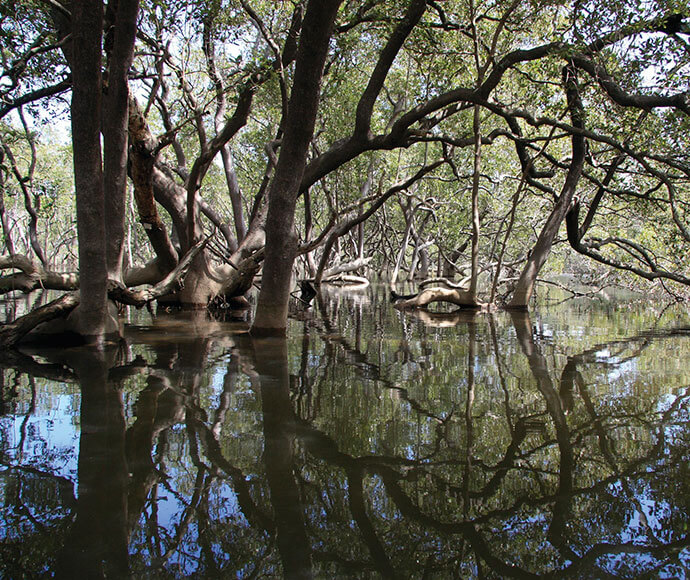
(87,26)
(115,121)
(281,243)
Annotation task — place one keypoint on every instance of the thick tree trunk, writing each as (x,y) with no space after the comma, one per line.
(200,286)
(281,243)
(115,122)
(87,26)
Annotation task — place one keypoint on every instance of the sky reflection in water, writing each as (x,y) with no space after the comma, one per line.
(371,443)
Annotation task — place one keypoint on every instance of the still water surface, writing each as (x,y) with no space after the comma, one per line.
(369,444)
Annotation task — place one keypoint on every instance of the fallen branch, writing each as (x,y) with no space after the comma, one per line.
(428,296)
(171,283)
(33,276)
(331,273)
(345,280)
(13,332)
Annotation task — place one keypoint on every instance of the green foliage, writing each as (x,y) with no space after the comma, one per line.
(456,46)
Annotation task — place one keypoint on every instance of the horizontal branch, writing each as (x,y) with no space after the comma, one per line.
(51,91)
(592,250)
(33,276)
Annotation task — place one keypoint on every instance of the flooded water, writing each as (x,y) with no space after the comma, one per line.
(369,444)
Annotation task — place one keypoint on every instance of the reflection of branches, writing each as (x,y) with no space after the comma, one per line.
(211,567)
(213,453)
(23,363)
(25,421)
(326,449)
(538,366)
(139,442)
(397,472)
(201,488)
(64,486)
(443,319)
(588,560)
(160,406)
(368,370)
(518,483)
(359,513)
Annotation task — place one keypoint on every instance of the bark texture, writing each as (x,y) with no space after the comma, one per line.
(281,243)
(115,121)
(87,26)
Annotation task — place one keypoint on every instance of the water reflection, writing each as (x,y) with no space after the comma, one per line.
(279,429)
(370,443)
(96,544)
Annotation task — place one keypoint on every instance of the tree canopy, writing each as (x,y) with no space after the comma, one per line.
(462,140)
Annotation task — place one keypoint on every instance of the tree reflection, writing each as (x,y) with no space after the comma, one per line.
(97,543)
(555,407)
(391,446)
(279,456)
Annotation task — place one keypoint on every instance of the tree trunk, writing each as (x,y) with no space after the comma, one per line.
(476,176)
(6,230)
(87,26)
(281,243)
(235,193)
(309,259)
(144,177)
(115,122)
(225,151)
(363,194)
(25,184)
(542,249)
(409,219)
